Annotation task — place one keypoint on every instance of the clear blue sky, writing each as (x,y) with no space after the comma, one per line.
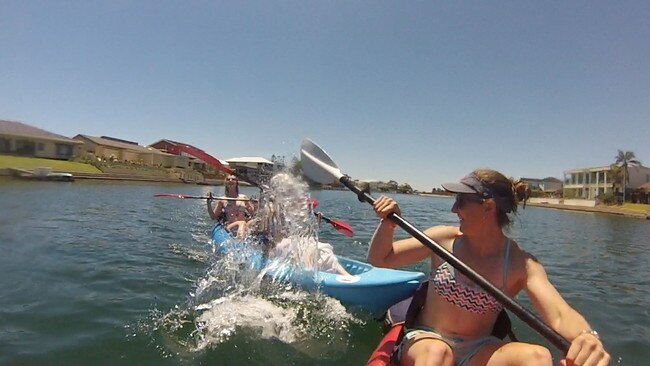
(420,92)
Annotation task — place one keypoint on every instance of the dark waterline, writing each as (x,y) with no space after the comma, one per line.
(89,268)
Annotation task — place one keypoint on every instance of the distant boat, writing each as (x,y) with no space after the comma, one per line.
(44,174)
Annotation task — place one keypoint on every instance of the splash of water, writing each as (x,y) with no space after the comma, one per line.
(286,215)
(233,299)
(222,317)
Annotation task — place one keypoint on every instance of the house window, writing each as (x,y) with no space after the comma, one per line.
(5,145)
(63,151)
(25,147)
(40,146)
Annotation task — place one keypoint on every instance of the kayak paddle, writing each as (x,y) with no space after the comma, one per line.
(340,226)
(318,166)
(184,196)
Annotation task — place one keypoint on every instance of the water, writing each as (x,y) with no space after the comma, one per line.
(101,273)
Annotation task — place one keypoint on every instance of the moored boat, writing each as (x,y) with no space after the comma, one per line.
(367,288)
(44,174)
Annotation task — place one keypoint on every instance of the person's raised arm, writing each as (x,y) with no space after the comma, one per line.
(209,203)
(383,252)
(216,213)
(586,347)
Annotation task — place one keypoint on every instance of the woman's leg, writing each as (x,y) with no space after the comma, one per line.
(512,354)
(426,351)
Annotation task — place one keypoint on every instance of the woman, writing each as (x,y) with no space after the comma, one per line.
(233,213)
(455,324)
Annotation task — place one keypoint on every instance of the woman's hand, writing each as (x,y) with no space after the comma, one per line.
(586,350)
(384,206)
(240,228)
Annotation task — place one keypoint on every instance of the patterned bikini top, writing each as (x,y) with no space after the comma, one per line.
(466,295)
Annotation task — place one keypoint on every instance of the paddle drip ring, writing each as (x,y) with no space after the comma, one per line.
(364,188)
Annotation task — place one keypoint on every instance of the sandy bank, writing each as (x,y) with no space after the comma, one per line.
(614,210)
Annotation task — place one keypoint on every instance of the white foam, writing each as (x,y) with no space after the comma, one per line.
(221,318)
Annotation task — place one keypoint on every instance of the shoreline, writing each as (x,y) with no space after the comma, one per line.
(11,173)
(611,210)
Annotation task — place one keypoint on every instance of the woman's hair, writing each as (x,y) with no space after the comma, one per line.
(504,189)
(228,190)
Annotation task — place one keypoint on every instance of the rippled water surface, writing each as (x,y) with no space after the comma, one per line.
(99,273)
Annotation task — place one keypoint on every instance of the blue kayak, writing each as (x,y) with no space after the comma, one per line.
(367,288)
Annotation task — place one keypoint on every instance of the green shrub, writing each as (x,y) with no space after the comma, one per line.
(607,198)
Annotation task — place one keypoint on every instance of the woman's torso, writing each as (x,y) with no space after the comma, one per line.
(235,210)
(455,305)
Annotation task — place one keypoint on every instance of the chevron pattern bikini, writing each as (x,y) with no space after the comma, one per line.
(466,295)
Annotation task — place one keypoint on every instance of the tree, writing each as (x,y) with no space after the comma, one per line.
(296,167)
(392,185)
(404,188)
(625,159)
(616,176)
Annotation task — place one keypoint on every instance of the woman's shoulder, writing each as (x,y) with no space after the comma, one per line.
(443,235)
(443,231)
(523,261)
(519,253)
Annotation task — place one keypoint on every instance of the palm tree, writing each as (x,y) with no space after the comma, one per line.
(616,176)
(624,159)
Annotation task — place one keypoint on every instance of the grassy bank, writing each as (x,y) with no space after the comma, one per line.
(636,207)
(635,210)
(19,162)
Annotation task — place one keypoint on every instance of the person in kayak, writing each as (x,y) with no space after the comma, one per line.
(285,218)
(233,214)
(308,252)
(455,324)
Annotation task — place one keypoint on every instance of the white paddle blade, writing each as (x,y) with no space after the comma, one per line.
(317,165)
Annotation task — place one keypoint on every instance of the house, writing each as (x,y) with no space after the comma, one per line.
(257,169)
(642,194)
(17,138)
(546,185)
(589,183)
(114,149)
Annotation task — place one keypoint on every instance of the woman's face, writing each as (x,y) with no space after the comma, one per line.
(468,208)
(231,185)
(232,182)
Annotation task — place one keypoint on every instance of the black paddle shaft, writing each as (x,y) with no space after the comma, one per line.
(524,314)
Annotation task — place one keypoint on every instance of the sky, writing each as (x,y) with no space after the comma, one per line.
(420,92)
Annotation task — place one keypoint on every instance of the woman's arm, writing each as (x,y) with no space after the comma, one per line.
(383,252)
(210,209)
(216,213)
(239,226)
(586,347)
